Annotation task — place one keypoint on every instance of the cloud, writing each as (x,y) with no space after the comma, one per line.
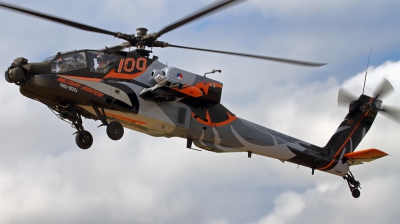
(328,203)
(287,206)
(45,178)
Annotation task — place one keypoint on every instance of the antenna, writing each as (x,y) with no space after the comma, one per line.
(366,71)
(213,71)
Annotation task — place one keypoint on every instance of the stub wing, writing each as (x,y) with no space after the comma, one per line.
(366,155)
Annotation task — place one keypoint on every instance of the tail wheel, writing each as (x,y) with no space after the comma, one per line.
(84,141)
(115,130)
(356,193)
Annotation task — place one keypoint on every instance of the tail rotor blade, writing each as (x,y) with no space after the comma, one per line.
(345,97)
(384,89)
(392,113)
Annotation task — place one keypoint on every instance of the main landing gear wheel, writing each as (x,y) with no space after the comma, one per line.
(84,139)
(353,184)
(115,130)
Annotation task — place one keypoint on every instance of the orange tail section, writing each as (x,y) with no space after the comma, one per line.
(366,155)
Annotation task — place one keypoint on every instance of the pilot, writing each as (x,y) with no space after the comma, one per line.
(102,62)
(62,64)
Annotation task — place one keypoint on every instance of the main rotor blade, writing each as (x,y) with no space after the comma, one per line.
(345,97)
(383,89)
(196,15)
(57,19)
(283,60)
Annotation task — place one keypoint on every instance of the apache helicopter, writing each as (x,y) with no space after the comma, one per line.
(133,90)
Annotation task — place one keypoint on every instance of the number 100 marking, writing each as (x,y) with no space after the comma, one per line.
(129,64)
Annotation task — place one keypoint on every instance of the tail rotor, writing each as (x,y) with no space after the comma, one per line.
(383,89)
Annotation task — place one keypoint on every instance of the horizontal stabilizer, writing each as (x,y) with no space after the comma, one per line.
(366,155)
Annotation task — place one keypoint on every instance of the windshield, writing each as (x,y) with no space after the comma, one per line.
(48,59)
(69,62)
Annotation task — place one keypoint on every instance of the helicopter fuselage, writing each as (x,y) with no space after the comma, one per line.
(145,95)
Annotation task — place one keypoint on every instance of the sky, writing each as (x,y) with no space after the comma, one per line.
(46,178)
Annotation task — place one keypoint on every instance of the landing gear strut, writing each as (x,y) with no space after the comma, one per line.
(67,113)
(353,184)
(115,130)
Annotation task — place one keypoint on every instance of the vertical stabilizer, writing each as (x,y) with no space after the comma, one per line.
(352,130)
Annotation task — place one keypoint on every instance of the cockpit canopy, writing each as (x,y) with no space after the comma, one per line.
(98,62)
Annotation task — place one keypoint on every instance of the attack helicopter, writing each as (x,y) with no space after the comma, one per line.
(134,90)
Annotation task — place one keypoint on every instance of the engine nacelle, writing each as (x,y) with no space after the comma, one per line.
(181,76)
(153,75)
(172,83)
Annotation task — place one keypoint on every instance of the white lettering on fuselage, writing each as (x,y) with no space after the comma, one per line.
(70,88)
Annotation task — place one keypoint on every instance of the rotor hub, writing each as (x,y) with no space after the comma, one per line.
(141,31)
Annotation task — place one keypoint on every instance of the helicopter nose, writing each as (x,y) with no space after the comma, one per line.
(14,75)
